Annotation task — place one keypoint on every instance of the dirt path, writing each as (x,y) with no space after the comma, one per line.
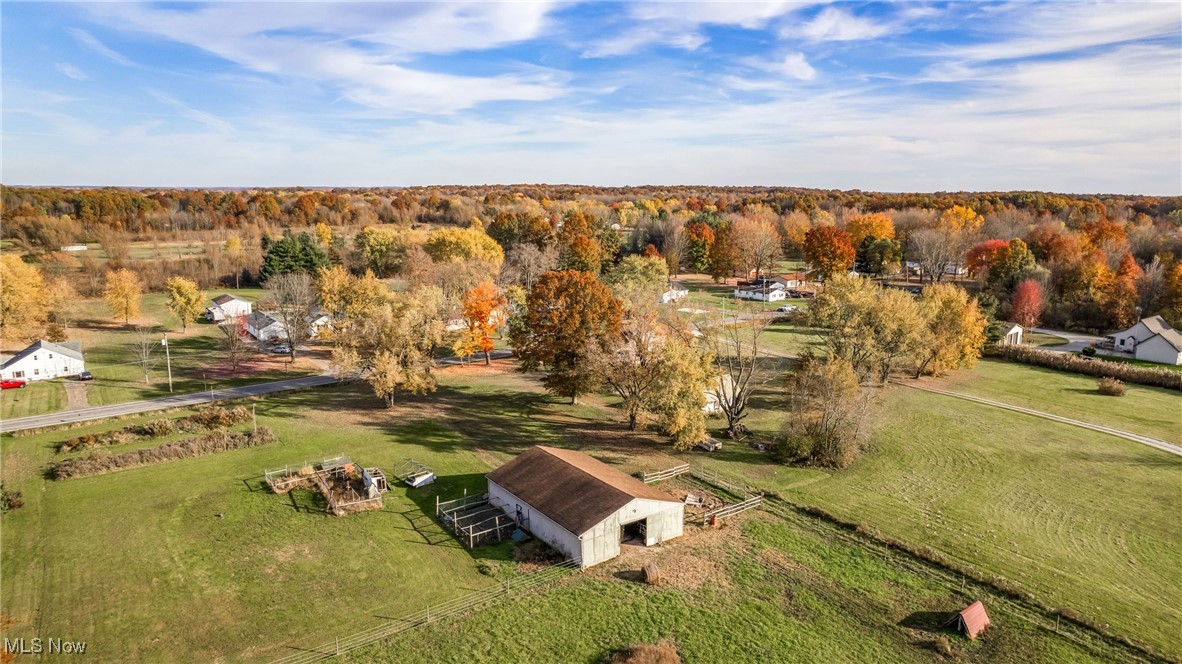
(1135,437)
(76,394)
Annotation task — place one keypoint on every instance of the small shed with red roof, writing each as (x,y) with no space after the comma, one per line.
(972,620)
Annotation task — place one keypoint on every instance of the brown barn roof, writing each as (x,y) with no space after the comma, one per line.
(972,619)
(571,488)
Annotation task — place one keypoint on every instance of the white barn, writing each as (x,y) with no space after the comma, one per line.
(44,360)
(581,506)
(227,306)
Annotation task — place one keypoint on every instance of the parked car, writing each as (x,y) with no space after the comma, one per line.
(281,350)
(11,383)
(85,375)
(786,308)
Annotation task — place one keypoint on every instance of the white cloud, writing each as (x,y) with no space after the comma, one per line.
(678,24)
(796,66)
(70,71)
(361,49)
(1044,29)
(834,24)
(89,41)
(191,113)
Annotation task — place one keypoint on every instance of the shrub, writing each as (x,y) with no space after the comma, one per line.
(1112,387)
(1129,373)
(10,500)
(1088,351)
(647,653)
(212,418)
(159,428)
(220,441)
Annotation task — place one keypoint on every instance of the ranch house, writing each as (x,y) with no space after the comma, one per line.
(581,506)
(44,360)
(1151,339)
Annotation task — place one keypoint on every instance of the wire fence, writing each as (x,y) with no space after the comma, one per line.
(428,615)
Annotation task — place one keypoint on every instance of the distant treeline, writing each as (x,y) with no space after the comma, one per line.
(144,210)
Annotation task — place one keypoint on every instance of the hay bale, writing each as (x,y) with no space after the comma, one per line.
(646,653)
(307,471)
(652,575)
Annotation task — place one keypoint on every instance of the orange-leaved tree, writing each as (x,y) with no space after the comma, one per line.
(829,250)
(875,225)
(483,311)
(570,315)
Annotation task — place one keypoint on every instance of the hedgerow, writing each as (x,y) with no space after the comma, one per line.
(1129,373)
(100,462)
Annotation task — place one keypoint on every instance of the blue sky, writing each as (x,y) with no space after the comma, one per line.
(1066,96)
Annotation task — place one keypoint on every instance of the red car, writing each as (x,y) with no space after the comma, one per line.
(10,383)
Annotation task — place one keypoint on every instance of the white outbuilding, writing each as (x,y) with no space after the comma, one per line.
(228,306)
(582,506)
(44,360)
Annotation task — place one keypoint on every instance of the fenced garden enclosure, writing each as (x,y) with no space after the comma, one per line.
(474,520)
(345,486)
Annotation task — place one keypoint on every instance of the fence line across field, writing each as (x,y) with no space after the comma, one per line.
(431,613)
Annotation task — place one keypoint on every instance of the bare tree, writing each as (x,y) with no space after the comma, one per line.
(294,297)
(673,243)
(734,343)
(935,250)
(524,263)
(233,340)
(758,244)
(143,345)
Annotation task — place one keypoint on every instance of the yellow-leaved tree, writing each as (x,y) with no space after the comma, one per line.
(22,299)
(122,291)
(185,299)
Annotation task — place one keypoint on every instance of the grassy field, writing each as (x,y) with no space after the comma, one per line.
(139,563)
(1150,411)
(39,397)
(763,591)
(1082,519)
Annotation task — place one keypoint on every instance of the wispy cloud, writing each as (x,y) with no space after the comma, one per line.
(89,41)
(70,71)
(189,112)
(835,24)
(679,24)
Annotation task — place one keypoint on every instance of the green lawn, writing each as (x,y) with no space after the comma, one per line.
(1150,411)
(139,564)
(1042,339)
(38,397)
(1081,519)
(780,594)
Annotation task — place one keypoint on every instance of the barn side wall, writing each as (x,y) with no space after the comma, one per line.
(540,526)
(664,522)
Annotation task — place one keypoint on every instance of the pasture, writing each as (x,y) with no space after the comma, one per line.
(140,564)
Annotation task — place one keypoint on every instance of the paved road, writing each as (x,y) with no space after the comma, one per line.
(1075,342)
(134,407)
(1135,437)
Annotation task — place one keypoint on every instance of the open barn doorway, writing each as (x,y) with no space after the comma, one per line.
(635,533)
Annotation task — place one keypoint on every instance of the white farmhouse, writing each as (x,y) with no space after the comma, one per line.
(44,360)
(227,306)
(1151,339)
(581,506)
(264,328)
(767,293)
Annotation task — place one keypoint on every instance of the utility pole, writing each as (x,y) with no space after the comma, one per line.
(168,360)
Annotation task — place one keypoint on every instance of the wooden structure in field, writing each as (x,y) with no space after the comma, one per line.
(345,486)
(972,620)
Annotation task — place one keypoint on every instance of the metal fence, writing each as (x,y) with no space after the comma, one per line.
(430,614)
